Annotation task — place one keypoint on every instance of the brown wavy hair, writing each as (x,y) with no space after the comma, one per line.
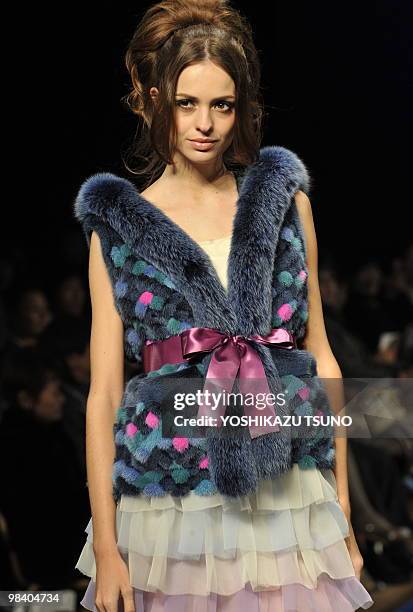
(172,35)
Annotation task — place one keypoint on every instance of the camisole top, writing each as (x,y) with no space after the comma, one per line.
(218,250)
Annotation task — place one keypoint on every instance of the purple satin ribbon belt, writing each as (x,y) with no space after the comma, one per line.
(230,354)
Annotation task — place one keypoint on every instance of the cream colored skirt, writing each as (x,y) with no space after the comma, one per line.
(280,548)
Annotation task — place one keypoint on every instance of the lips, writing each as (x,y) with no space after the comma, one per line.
(202,146)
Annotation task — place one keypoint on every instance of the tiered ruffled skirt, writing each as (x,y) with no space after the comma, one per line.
(279,549)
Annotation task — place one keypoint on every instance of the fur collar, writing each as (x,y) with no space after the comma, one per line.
(265,194)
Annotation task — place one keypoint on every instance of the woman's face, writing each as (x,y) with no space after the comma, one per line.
(71,296)
(49,404)
(205,108)
(34,313)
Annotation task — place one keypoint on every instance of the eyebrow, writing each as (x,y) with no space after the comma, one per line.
(213,100)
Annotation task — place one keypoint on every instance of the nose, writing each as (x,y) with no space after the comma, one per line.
(204,122)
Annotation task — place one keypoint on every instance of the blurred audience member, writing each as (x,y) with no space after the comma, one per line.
(70,297)
(44,494)
(29,314)
(351,353)
(65,346)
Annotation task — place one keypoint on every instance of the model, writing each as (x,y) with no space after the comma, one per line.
(208,280)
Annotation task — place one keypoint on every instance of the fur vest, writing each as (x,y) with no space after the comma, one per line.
(163,283)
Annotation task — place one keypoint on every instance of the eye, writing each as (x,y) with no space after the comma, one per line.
(229,105)
(181,103)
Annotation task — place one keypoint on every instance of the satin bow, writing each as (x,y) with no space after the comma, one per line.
(230,354)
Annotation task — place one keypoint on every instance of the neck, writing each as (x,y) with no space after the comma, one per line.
(196,176)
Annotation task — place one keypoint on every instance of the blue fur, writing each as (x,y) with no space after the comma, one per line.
(267,239)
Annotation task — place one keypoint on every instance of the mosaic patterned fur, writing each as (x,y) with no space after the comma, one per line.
(163,282)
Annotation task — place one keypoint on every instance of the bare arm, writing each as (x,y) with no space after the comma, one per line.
(316,341)
(106,389)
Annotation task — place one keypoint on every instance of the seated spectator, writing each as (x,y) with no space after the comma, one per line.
(353,356)
(65,345)
(44,494)
(28,314)
(375,306)
(70,297)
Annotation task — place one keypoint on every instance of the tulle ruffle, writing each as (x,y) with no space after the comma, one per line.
(298,511)
(286,538)
(211,574)
(344,595)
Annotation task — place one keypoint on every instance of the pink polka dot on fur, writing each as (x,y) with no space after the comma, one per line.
(302,274)
(131,429)
(180,444)
(304,393)
(146,297)
(285,312)
(152,420)
(203,464)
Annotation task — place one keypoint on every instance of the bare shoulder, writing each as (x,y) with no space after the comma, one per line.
(303,204)
(305,214)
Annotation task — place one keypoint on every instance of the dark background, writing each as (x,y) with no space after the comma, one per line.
(336,86)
